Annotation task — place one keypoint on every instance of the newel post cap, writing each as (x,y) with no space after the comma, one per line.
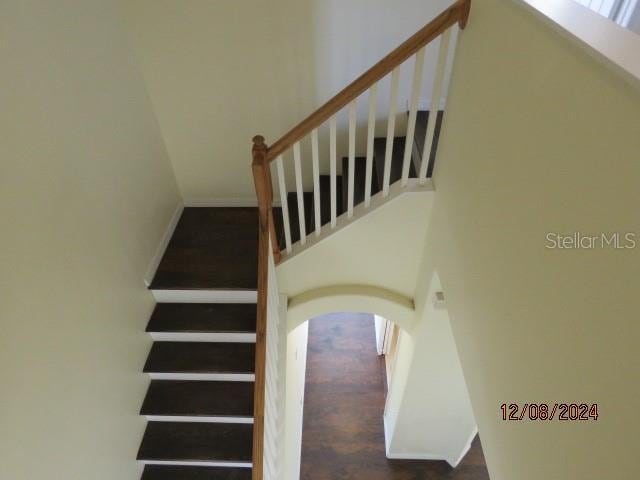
(258,142)
(259,149)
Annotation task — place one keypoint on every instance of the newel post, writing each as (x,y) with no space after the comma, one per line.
(264,191)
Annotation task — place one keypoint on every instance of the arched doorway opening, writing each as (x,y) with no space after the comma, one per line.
(343,381)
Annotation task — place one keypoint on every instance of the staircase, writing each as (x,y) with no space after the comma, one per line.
(200,401)
(360,177)
(212,404)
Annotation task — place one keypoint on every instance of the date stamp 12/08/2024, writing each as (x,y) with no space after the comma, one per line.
(563,412)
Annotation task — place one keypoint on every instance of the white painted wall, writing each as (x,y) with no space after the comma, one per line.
(379,324)
(86,192)
(296,369)
(428,414)
(382,249)
(220,72)
(541,136)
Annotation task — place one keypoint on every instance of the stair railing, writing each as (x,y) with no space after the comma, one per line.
(263,156)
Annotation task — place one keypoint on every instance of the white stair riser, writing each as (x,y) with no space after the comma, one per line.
(205,296)
(203,337)
(198,464)
(208,377)
(187,419)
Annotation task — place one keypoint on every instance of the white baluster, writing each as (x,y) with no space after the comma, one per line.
(316,178)
(413,110)
(435,104)
(285,205)
(393,105)
(332,167)
(299,191)
(352,156)
(371,127)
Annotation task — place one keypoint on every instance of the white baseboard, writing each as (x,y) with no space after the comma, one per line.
(420,455)
(157,257)
(466,448)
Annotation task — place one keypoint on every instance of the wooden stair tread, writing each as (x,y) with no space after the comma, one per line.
(197,441)
(397,156)
(181,472)
(359,182)
(198,398)
(307,199)
(325,198)
(201,357)
(203,317)
(422,119)
(211,248)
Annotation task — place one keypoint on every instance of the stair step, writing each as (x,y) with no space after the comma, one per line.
(206,321)
(179,360)
(215,443)
(198,399)
(211,248)
(359,181)
(292,200)
(279,226)
(421,132)
(397,157)
(177,472)
(325,198)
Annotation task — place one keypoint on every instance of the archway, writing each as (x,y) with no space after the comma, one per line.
(351,298)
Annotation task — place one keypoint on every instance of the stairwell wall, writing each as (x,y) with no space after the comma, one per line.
(540,137)
(86,191)
(220,72)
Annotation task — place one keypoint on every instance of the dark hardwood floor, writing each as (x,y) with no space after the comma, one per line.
(211,248)
(343,436)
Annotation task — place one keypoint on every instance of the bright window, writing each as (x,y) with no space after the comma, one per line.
(620,11)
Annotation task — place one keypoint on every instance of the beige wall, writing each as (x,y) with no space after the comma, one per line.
(540,137)
(428,413)
(220,72)
(86,190)
(382,249)
(294,399)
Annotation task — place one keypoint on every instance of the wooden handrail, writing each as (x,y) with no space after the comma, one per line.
(259,391)
(456,13)
(266,230)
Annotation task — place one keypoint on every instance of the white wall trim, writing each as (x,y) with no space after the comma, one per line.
(164,242)
(422,456)
(351,298)
(466,448)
